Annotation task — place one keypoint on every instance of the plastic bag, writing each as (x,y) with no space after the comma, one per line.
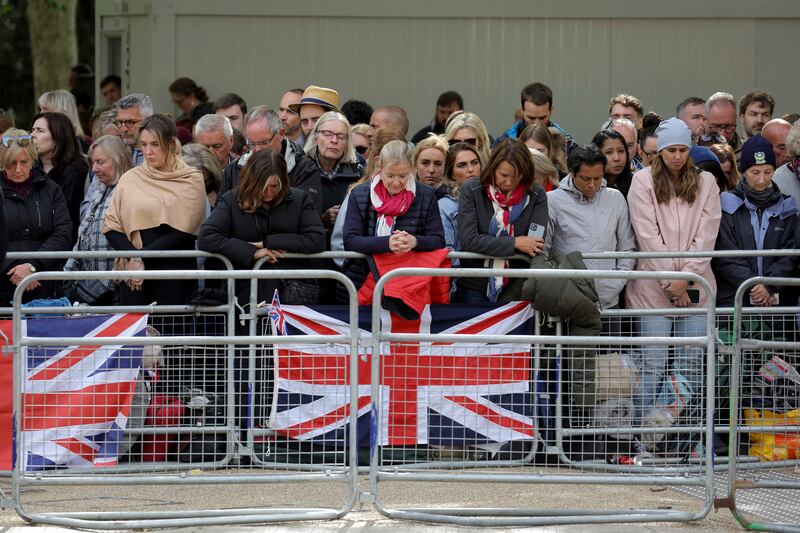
(773,446)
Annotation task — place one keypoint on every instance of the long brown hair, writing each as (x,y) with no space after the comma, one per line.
(687,184)
(515,153)
(256,173)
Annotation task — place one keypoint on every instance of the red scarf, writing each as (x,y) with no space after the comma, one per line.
(506,201)
(391,206)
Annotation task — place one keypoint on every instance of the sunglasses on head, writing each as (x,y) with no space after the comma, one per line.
(472,141)
(22,140)
(361,149)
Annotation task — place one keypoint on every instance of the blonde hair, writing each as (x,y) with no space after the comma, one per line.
(102,121)
(544,169)
(558,149)
(61,101)
(431,141)
(396,152)
(380,140)
(361,129)
(474,123)
(200,157)
(116,149)
(7,154)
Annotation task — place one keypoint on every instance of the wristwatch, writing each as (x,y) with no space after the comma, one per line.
(33,268)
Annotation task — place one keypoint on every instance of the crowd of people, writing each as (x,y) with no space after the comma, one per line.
(314,174)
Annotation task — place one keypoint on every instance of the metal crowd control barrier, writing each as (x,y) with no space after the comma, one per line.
(764,413)
(386,344)
(176,310)
(724,355)
(226,466)
(242,462)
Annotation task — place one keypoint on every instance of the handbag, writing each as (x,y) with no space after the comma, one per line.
(300,292)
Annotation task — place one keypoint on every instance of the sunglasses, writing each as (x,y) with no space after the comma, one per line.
(713,137)
(22,140)
(472,141)
(361,149)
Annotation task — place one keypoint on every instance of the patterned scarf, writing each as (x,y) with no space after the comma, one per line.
(390,207)
(507,208)
(794,166)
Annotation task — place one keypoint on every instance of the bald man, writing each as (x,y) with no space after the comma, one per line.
(388,118)
(775,131)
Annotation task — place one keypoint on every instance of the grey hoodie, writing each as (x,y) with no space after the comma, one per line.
(600,224)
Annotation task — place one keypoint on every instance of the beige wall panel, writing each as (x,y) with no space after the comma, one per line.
(486,51)
(776,65)
(663,61)
(411,61)
(256,57)
(138,46)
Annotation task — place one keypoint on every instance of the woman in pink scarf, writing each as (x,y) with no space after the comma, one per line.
(391,212)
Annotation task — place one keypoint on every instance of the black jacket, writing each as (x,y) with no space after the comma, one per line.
(422,220)
(332,189)
(37,221)
(72,180)
(779,226)
(300,172)
(292,226)
(474,212)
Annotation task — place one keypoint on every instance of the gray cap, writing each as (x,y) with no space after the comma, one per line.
(671,132)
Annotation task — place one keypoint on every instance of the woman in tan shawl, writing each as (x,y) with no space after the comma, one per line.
(156,206)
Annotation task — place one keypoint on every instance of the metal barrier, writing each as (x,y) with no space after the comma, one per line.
(165,311)
(764,412)
(204,341)
(225,464)
(454,471)
(625,319)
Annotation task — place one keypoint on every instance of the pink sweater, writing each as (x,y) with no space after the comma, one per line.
(672,227)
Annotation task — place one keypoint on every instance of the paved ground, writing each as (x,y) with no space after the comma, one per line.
(364,517)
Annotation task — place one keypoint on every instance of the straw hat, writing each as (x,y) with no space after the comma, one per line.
(321,96)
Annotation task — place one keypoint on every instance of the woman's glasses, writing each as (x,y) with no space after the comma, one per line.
(22,140)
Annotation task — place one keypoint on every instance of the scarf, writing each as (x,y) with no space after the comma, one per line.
(794,166)
(147,198)
(390,207)
(760,199)
(21,189)
(507,209)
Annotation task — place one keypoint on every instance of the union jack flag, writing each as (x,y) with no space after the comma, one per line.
(76,399)
(430,393)
(275,316)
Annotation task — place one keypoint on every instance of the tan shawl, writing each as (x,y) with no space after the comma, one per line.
(146,198)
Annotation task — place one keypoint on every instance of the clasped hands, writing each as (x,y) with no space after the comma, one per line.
(401,242)
(271,255)
(675,291)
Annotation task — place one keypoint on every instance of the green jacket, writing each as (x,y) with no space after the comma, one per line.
(575,301)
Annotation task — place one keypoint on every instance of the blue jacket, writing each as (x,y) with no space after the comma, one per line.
(421,220)
(516,130)
(742,229)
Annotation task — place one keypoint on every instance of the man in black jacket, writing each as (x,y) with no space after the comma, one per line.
(263,130)
(448,103)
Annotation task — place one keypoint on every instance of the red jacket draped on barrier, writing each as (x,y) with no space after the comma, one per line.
(408,295)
